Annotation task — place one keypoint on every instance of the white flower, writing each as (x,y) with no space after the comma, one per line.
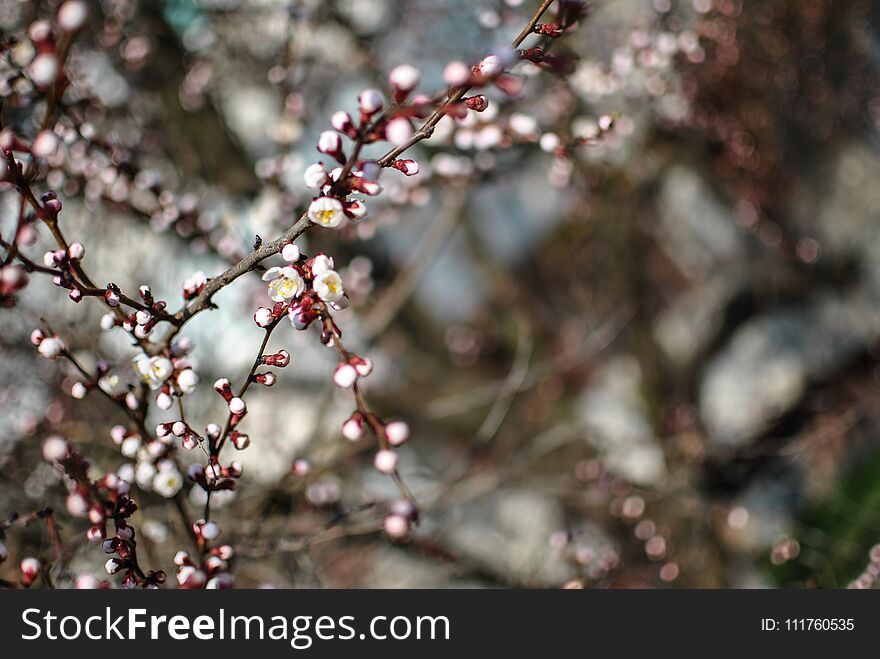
(144,474)
(328,286)
(167,482)
(326,211)
(187,380)
(112,384)
(321,263)
(153,370)
(284,283)
(51,347)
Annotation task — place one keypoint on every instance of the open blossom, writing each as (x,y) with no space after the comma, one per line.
(167,481)
(153,370)
(326,211)
(328,286)
(284,283)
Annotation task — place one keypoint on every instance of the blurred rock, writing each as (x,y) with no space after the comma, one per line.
(507,533)
(768,363)
(613,412)
(686,328)
(699,233)
(394,568)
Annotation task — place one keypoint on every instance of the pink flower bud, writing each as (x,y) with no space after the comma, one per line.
(37,337)
(477,103)
(266,379)
(190,578)
(363,366)
(385,461)
(223,388)
(396,526)
(491,66)
(55,449)
(237,406)
(355,209)
(403,79)
(113,565)
(178,429)
(30,570)
(78,390)
(342,122)
(330,143)
(290,253)
(398,131)
(370,101)
(353,428)
(345,375)
(240,441)
(77,505)
(301,467)
(164,401)
(86,581)
(44,144)
(457,74)
(408,167)
(72,15)
(76,251)
(397,433)
(210,531)
(263,317)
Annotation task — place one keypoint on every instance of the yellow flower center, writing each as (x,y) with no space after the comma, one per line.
(326,216)
(283,287)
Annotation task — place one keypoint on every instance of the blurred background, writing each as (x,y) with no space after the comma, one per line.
(649,361)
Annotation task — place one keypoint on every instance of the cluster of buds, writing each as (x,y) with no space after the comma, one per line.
(214,571)
(194,284)
(350,369)
(181,430)
(155,467)
(214,477)
(49,346)
(237,406)
(400,518)
(103,501)
(65,260)
(171,376)
(141,322)
(301,289)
